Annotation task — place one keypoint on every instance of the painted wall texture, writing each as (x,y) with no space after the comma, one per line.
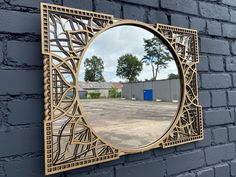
(21,89)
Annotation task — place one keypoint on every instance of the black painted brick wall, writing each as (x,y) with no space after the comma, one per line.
(21,89)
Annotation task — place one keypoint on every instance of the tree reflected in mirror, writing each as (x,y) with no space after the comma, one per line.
(129,87)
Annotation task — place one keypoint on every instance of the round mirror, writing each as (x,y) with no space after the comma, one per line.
(129,87)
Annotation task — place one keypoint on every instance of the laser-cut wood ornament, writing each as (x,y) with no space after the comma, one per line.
(70,142)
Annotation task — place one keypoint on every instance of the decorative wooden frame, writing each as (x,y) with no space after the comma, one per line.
(83,147)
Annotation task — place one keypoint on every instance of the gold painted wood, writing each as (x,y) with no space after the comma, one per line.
(70,142)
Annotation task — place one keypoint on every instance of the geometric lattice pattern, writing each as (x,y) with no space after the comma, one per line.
(69,141)
(189,125)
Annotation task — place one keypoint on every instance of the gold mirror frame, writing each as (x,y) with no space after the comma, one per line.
(89,148)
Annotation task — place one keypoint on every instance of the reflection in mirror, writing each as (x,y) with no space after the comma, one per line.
(129,86)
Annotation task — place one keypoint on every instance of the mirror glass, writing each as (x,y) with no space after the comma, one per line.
(129,86)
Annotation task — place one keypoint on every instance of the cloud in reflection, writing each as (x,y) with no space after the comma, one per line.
(118,41)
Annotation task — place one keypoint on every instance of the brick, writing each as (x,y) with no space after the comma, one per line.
(230,64)
(214,28)
(156,16)
(134,12)
(198,24)
(233,168)
(154,168)
(214,46)
(232,15)
(25,111)
(207,139)
(161,152)
(74,173)
(3,113)
(219,98)
(234,48)
(209,10)
(186,6)
(19,22)
(81,4)
(219,117)
(1,52)
(21,81)
(207,172)
(216,63)
(185,147)
(231,97)
(2,171)
(204,98)
(21,141)
(229,2)
(216,154)
(109,7)
(116,162)
(192,160)
(220,135)
(25,167)
(199,81)
(179,20)
(232,133)
(216,81)
(139,156)
(100,173)
(34,4)
(222,170)
(187,175)
(28,53)
(203,63)
(234,79)
(229,30)
(21,167)
(80,171)
(151,3)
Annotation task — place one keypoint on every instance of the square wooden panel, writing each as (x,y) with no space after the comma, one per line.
(70,142)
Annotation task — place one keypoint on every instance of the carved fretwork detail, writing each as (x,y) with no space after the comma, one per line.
(70,141)
(189,127)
